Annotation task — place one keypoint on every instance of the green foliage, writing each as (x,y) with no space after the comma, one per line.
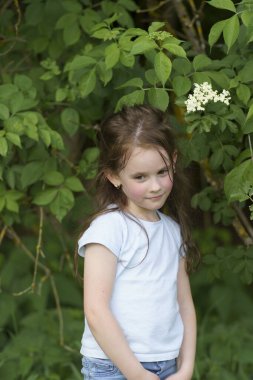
(58,79)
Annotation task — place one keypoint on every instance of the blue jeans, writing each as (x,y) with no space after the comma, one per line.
(104,369)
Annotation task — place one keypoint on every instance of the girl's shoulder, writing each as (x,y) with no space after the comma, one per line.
(108,216)
(106,229)
(171,223)
(168,219)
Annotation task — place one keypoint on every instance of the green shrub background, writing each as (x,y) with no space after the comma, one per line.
(64,65)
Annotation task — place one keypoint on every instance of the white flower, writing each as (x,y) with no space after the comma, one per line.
(202,94)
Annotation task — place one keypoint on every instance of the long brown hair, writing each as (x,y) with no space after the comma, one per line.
(141,126)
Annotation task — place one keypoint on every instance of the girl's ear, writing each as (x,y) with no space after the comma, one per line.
(114,179)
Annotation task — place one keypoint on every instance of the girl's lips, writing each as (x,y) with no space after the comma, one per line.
(156,197)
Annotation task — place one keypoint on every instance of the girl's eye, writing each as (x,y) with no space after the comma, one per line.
(163,172)
(139,177)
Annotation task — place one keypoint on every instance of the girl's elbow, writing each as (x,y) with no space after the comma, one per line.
(94,313)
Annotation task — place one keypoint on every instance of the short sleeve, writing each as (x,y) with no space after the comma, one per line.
(107,230)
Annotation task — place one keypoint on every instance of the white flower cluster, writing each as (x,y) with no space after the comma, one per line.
(202,94)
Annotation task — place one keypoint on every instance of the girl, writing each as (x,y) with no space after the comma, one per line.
(140,318)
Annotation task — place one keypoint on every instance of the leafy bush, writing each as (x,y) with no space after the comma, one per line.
(58,79)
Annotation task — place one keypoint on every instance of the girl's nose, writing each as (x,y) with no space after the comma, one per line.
(155,185)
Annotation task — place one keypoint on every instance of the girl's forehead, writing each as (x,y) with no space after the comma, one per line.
(147,155)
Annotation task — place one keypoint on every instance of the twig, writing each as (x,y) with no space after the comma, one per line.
(16,26)
(59,311)
(154,8)
(2,234)
(196,20)
(49,275)
(5,6)
(244,221)
(186,24)
(38,249)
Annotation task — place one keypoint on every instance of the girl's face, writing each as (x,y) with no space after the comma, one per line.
(146,180)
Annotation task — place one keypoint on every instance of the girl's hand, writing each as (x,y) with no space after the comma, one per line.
(147,375)
(178,376)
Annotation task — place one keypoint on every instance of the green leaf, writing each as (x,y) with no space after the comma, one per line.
(143,44)
(2,203)
(71,34)
(127,59)
(31,131)
(182,66)
(87,83)
(66,20)
(72,6)
(238,181)
(70,120)
(158,98)
(112,54)
(53,178)
(174,49)
(201,61)
(61,94)
(23,82)
(62,203)
(216,159)
(181,85)
(243,92)
(104,74)
(74,184)
(11,198)
(11,205)
(56,140)
(136,97)
(31,173)
(130,5)
(3,146)
(45,136)
(7,90)
(162,67)
(223,4)
(247,18)
(151,77)
(220,78)
(215,32)
(156,25)
(45,197)
(231,31)
(248,126)
(134,82)
(4,112)
(79,62)
(13,138)
(245,74)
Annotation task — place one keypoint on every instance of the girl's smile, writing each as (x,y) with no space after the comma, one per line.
(146,180)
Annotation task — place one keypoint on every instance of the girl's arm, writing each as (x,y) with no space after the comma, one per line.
(99,274)
(188,348)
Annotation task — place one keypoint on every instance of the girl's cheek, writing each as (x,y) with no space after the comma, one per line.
(135,191)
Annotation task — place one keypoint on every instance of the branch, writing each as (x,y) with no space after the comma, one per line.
(38,249)
(48,274)
(243,226)
(187,25)
(240,223)
(153,8)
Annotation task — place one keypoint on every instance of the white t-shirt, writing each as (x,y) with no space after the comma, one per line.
(144,298)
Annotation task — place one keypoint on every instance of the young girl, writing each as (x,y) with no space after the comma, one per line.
(140,318)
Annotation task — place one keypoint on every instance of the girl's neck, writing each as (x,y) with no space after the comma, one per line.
(153,216)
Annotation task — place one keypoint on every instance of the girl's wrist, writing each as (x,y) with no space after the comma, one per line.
(185,373)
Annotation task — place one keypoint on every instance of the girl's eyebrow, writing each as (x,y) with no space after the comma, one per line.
(145,173)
